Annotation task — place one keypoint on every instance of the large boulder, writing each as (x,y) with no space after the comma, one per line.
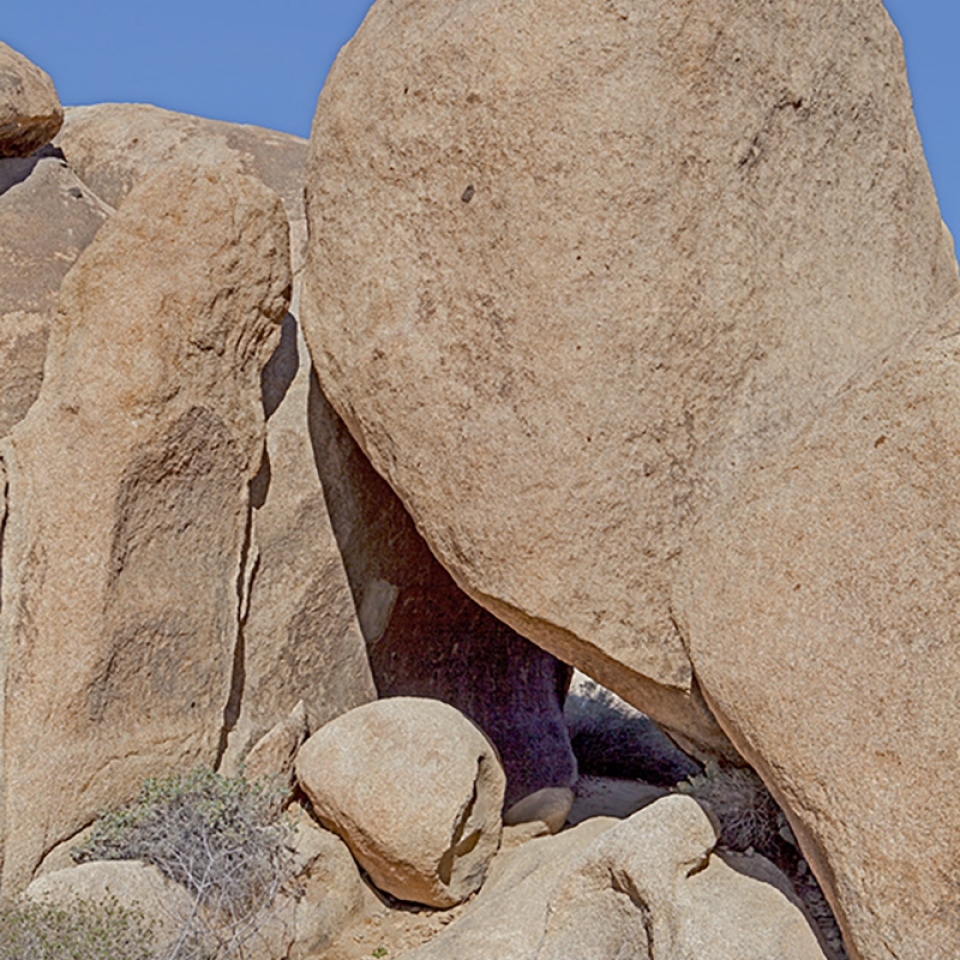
(425,637)
(30,111)
(47,217)
(415,790)
(820,609)
(573,267)
(128,506)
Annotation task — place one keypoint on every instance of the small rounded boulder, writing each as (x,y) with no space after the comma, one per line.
(415,790)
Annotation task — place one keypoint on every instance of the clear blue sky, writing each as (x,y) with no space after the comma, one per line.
(264,63)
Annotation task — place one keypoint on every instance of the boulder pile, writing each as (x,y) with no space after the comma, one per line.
(193,545)
(620,337)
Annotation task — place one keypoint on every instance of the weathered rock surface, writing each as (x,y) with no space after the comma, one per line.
(820,610)
(612,739)
(414,789)
(47,216)
(332,894)
(507,918)
(112,146)
(128,506)
(273,755)
(425,637)
(573,268)
(30,111)
(652,886)
(300,634)
(136,886)
(649,886)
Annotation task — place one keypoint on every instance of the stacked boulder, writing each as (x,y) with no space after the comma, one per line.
(634,335)
(415,790)
(47,216)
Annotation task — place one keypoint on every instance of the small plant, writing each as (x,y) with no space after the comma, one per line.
(748,815)
(223,839)
(380,952)
(85,930)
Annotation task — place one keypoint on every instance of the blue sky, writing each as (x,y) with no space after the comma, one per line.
(264,63)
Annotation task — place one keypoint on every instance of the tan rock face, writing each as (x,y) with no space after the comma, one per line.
(415,790)
(127,503)
(47,217)
(573,267)
(112,145)
(301,638)
(681,900)
(820,610)
(30,111)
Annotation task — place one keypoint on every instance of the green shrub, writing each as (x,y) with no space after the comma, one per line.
(223,839)
(83,931)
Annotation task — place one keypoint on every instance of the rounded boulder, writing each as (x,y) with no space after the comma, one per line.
(415,790)
(30,111)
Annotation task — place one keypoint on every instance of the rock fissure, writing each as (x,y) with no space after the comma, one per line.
(460,845)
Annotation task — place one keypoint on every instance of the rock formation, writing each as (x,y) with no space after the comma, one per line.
(30,111)
(425,637)
(134,886)
(415,790)
(650,886)
(47,217)
(299,633)
(572,268)
(111,146)
(300,637)
(653,885)
(127,503)
(820,607)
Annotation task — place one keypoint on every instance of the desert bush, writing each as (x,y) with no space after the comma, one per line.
(223,839)
(749,817)
(83,930)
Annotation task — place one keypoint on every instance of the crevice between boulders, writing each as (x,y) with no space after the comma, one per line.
(249,564)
